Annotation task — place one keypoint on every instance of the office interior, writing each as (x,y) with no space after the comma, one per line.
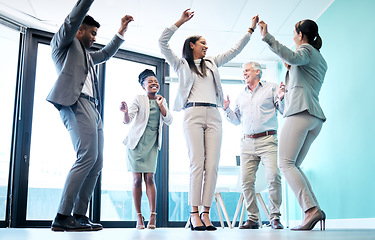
(36,152)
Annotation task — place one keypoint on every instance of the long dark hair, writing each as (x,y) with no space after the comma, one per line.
(310,29)
(187,53)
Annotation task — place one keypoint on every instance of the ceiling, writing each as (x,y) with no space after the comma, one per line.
(221,22)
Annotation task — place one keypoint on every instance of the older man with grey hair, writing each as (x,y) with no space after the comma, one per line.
(256,110)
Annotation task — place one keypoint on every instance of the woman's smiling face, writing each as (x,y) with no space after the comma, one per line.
(199,48)
(151,85)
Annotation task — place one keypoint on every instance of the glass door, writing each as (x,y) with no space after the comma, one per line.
(51,151)
(121,84)
(9,44)
(43,151)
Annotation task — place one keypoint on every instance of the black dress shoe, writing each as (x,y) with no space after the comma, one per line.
(86,221)
(69,224)
(250,225)
(276,224)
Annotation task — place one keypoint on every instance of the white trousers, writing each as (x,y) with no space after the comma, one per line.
(298,133)
(254,151)
(203,133)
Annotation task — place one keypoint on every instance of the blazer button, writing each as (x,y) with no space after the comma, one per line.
(82,83)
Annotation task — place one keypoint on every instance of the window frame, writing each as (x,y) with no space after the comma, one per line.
(19,171)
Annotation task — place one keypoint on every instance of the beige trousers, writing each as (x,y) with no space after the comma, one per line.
(298,133)
(254,151)
(203,133)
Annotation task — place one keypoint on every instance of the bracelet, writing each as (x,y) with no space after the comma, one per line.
(252,29)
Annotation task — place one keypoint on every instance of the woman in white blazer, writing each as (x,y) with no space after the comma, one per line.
(200,94)
(303,115)
(144,140)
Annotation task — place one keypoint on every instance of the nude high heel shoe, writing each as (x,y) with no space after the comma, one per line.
(319,216)
(141,226)
(152,226)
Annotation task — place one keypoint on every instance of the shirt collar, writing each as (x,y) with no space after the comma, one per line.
(247,89)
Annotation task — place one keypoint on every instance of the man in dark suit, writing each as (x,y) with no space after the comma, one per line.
(75,94)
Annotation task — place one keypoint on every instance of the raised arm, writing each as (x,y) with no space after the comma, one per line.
(234,51)
(185,16)
(67,32)
(165,49)
(112,47)
(299,57)
(124,24)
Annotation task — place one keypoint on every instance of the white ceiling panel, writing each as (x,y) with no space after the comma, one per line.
(217,15)
(20,5)
(316,9)
(221,22)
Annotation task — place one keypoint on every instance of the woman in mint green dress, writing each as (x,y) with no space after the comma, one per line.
(144,140)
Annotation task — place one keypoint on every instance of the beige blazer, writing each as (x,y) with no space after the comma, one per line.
(187,76)
(140,110)
(304,79)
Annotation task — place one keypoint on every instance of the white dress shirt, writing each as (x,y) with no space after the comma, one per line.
(256,111)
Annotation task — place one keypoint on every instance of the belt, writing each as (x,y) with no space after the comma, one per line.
(199,104)
(91,99)
(262,134)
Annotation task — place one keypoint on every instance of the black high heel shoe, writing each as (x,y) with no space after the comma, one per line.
(319,216)
(209,228)
(199,228)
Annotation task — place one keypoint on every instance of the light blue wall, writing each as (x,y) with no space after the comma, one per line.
(341,162)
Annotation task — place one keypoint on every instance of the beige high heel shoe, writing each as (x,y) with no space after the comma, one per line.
(152,226)
(141,226)
(319,216)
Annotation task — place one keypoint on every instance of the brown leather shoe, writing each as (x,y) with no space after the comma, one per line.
(250,225)
(276,224)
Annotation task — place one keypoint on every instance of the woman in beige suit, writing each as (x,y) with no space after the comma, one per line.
(199,95)
(303,115)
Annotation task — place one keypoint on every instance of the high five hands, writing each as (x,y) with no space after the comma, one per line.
(254,22)
(263,28)
(187,15)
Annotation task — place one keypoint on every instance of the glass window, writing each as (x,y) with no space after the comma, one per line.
(51,151)
(116,197)
(9,43)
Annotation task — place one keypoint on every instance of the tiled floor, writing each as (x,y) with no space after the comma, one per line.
(186,234)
